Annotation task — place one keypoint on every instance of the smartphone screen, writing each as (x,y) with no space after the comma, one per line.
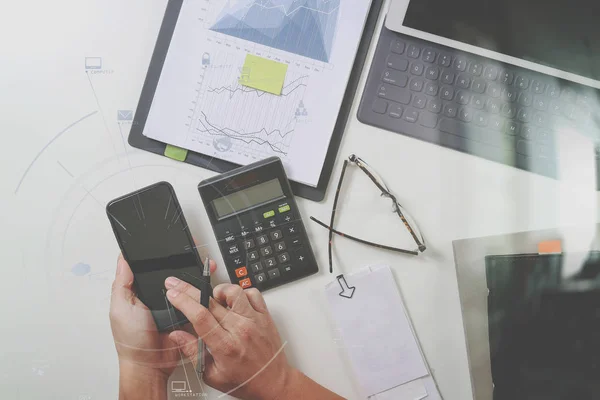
(155,240)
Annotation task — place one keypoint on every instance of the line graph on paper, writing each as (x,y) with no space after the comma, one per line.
(232,117)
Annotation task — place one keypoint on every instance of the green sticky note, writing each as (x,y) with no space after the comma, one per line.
(176,153)
(262,74)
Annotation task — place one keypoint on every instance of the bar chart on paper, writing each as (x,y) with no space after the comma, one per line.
(303,27)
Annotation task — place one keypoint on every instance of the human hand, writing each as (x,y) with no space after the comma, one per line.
(140,347)
(246,353)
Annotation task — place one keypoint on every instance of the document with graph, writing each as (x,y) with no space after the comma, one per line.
(200,104)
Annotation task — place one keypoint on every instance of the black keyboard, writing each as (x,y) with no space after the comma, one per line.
(476,105)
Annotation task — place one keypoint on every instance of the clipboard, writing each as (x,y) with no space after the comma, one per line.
(138,140)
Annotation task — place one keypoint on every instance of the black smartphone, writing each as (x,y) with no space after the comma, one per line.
(156,242)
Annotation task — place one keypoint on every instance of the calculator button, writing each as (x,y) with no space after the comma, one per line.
(229,238)
(272,223)
(286,269)
(253,256)
(276,235)
(270,262)
(266,251)
(269,214)
(280,246)
(245,283)
(261,277)
(283,258)
(256,267)
(249,244)
(296,241)
(233,250)
(287,218)
(284,209)
(237,261)
(291,229)
(240,272)
(258,228)
(262,240)
(244,233)
(274,273)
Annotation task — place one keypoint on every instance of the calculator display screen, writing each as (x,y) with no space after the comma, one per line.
(248,198)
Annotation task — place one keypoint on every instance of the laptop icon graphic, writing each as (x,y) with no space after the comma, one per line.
(179,386)
(93,63)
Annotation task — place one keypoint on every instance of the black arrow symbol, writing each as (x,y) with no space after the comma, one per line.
(347,291)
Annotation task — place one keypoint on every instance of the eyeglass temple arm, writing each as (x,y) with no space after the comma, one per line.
(381,246)
(333,210)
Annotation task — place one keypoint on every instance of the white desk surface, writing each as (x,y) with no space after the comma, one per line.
(55,333)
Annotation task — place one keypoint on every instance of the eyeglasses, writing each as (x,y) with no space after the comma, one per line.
(396,208)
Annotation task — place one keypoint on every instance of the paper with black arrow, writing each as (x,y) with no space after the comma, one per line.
(377,335)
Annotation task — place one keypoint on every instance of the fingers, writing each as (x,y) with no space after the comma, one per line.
(122,285)
(235,298)
(183,287)
(205,324)
(257,301)
(187,343)
(213,266)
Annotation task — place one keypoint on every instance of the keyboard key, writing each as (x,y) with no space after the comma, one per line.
(246,283)
(256,267)
(524,115)
(283,258)
(543,135)
(568,95)
(397,62)
(275,235)
(448,77)
(540,118)
(233,250)
(249,244)
(522,82)
(230,239)
(457,128)
(432,73)
(396,111)
(494,90)
(540,103)
(395,78)
(465,114)
(444,60)
(481,119)
(511,128)
(394,94)
(506,77)
(411,116)
(274,273)
(450,110)
(463,97)
(478,85)
(429,55)
(509,110)
(435,106)
(261,278)
(428,120)
(460,63)
(496,123)
(416,84)
(538,87)
(490,73)
(417,68)
(492,106)
(431,89)
(253,256)
(525,147)
(413,51)
(270,262)
(525,99)
(478,102)
(262,240)
(419,101)
(527,132)
(237,260)
(287,269)
(475,68)
(398,47)
(279,246)
(266,251)
(555,107)
(509,95)
(553,91)
(240,272)
(463,81)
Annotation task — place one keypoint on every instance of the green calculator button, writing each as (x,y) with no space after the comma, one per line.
(269,214)
(283,209)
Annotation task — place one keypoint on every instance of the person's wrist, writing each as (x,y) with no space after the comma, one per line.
(140,382)
(291,385)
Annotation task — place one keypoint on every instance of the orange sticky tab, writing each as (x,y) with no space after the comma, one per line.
(550,247)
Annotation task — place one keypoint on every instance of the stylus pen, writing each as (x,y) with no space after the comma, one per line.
(205,295)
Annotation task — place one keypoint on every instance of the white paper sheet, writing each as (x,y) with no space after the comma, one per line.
(200,105)
(414,390)
(376,331)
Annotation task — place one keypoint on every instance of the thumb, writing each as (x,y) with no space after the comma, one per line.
(121,288)
(187,343)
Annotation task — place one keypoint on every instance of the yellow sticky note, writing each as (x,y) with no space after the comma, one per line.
(176,153)
(262,74)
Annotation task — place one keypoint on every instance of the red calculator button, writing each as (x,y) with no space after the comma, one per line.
(245,283)
(241,272)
